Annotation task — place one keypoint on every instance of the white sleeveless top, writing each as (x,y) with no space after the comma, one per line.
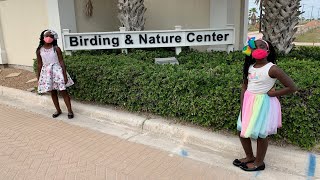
(259,81)
(49,56)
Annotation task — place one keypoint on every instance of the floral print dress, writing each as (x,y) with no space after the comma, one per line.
(51,76)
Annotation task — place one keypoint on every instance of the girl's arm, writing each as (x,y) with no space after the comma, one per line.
(243,90)
(39,61)
(60,57)
(289,86)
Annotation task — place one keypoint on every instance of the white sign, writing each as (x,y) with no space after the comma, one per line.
(147,39)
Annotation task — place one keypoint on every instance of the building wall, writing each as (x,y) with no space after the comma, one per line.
(229,12)
(238,22)
(160,15)
(238,17)
(165,14)
(21,26)
(3,55)
(104,16)
(22,23)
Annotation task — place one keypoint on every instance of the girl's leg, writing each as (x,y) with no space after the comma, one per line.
(262,146)
(246,144)
(66,98)
(54,96)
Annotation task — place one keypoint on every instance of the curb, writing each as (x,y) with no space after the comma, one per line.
(213,148)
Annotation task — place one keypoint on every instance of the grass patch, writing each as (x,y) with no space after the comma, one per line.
(253,28)
(312,36)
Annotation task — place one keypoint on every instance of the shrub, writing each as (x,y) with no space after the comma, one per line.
(204,89)
(304,52)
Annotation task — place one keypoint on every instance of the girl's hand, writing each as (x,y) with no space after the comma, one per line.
(271,92)
(65,80)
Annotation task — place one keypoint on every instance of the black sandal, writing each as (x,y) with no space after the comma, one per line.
(255,168)
(56,114)
(238,163)
(70,115)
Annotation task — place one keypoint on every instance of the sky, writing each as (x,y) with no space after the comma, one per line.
(307,7)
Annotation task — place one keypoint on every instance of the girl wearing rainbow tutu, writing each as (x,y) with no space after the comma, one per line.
(260,114)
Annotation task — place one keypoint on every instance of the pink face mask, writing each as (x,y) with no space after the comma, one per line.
(259,54)
(48,40)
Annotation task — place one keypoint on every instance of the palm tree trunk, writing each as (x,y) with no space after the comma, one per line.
(131,14)
(279,21)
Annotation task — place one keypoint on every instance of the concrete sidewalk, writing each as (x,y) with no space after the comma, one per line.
(209,149)
(36,147)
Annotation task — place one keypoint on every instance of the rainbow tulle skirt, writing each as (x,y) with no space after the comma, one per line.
(261,116)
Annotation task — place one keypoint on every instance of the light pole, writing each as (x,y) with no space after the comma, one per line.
(311,13)
(260,18)
(302,11)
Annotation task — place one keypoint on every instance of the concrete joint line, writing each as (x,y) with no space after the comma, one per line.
(133,136)
(144,121)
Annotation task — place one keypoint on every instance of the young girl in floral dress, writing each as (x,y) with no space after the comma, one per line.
(52,75)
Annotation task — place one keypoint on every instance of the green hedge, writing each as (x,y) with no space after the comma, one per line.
(301,112)
(304,52)
(204,89)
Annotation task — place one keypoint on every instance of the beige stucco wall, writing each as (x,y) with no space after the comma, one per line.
(22,22)
(165,14)
(160,15)
(21,26)
(104,16)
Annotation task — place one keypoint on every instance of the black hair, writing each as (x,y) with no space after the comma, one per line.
(249,60)
(41,42)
